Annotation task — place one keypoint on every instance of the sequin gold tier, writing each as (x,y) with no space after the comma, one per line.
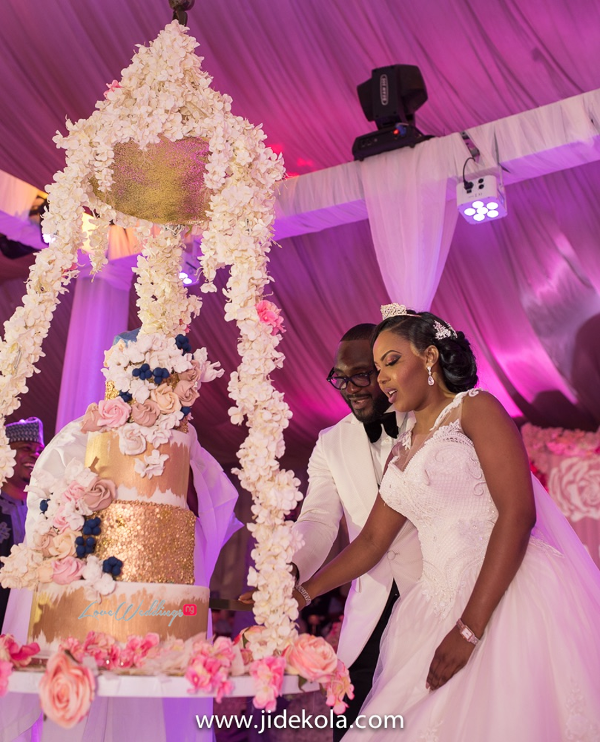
(104,458)
(171,611)
(154,542)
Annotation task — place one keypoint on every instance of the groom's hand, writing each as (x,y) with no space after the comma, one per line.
(451,656)
(247,597)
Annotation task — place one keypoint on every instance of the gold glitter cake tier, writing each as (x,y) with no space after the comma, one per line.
(105,459)
(163,183)
(171,611)
(154,542)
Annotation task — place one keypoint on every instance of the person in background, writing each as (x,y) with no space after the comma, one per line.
(26,438)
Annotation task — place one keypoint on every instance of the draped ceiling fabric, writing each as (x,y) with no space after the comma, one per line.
(525,289)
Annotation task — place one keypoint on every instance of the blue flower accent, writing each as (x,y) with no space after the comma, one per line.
(84,546)
(143,372)
(44,505)
(91,527)
(183,344)
(186,410)
(112,565)
(160,374)
(125,396)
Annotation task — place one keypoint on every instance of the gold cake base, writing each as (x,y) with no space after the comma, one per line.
(171,611)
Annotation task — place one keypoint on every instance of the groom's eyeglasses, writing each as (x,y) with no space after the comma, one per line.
(341,382)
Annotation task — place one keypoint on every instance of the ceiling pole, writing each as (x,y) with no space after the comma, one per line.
(179,8)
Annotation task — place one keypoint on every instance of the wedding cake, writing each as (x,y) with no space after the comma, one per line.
(110,537)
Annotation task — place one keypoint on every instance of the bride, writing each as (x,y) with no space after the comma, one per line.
(499,641)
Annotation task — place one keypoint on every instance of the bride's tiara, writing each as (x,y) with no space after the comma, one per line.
(398,310)
(394,310)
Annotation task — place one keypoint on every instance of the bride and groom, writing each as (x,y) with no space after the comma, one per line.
(497,638)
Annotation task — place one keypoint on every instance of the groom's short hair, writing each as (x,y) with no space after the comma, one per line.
(363,331)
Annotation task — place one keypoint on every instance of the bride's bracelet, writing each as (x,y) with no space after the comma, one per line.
(304,594)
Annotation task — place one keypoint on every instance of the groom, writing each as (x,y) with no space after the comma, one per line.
(345,470)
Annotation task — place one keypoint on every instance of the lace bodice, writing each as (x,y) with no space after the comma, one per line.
(439,485)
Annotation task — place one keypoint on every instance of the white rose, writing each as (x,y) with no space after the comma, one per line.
(157,436)
(131,440)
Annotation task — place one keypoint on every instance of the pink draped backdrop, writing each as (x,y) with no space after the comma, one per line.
(526,289)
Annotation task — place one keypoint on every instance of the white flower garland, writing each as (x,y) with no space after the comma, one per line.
(165,93)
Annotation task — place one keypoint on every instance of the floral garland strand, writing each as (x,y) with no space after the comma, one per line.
(243,244)
(240,237)
(163,301)
(25,331)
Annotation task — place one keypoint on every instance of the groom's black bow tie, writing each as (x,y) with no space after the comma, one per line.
(389,423)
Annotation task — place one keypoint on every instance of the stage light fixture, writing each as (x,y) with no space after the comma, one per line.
(481,198)
(390,99)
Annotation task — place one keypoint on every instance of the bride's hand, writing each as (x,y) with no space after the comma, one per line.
(451,656)
(247,597)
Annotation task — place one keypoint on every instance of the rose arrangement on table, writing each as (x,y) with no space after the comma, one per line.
(68,685)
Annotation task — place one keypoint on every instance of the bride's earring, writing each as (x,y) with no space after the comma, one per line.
(430,379)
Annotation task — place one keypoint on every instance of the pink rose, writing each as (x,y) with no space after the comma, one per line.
(113,412)
(166,399)
(268,313)
(67,570)
(66,691)
(575,487)
(6,669)
(103,648)
(311,657)
(187,392)
(338,687)
(74,492)
(145,414)
(194,374)
(138,648)
(100,495)
(73,647)
(268,677)
(60,521)
(210,667)
(91,420)
(15,653)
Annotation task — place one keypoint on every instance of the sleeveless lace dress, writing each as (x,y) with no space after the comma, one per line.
(535,674)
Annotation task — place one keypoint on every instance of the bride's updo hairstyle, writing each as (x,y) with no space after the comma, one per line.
(457,360)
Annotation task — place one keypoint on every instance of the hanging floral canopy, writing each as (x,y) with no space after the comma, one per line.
(162,154)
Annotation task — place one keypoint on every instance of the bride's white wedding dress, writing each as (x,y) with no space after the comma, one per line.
(535,674)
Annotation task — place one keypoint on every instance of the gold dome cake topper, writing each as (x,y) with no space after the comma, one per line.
(163,183)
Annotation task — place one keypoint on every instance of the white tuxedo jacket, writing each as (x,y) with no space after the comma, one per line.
(342,482)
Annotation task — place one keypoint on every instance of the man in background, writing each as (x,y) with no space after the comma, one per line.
(345,470)
(26,438)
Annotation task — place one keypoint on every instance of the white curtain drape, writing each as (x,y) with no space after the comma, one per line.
(411,221)
(100,311)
